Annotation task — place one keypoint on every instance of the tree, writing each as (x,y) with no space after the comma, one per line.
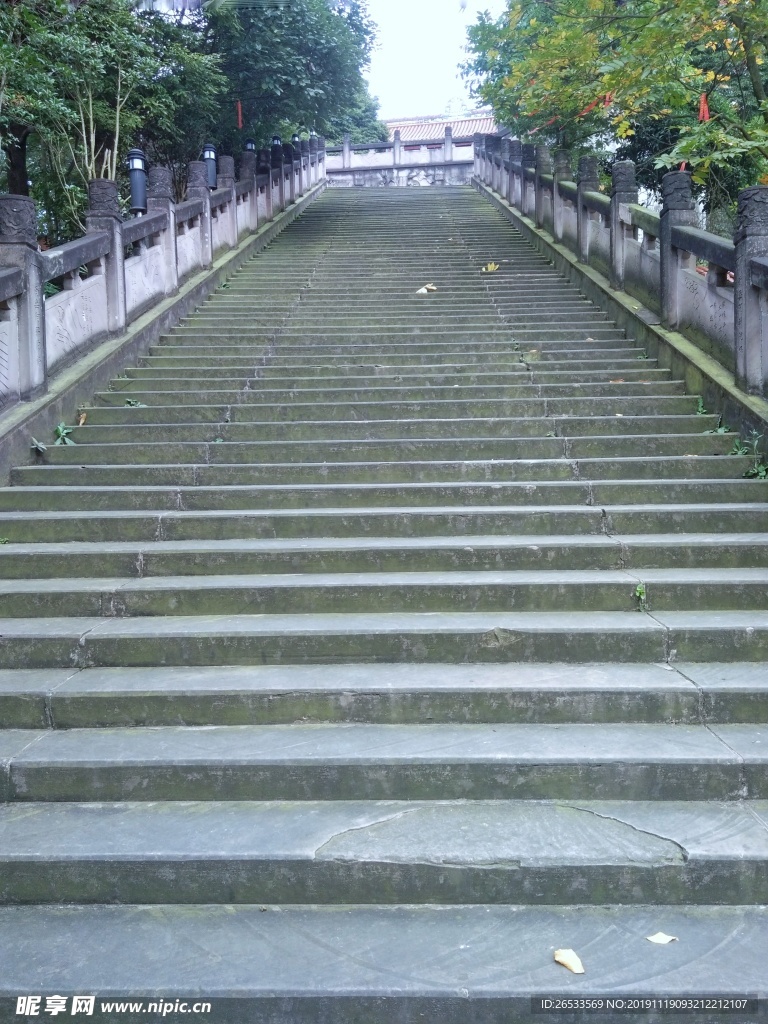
(576,65)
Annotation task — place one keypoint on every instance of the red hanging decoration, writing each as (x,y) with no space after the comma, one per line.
(703,107)
(239,108)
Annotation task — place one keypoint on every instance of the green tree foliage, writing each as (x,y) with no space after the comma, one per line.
(570,68)
(81,81)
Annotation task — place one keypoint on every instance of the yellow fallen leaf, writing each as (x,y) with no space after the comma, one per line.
(82,418)
(490,268)
(569,959)
(661,938)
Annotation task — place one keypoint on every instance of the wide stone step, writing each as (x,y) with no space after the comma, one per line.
(386,851)
(383,961)
(391,637)
(456,590)
(683,692)
(318,761)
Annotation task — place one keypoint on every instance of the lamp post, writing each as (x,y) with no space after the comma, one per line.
(137,171)
(209,156)
(250,146)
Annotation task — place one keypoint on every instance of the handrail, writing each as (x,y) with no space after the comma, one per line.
(63,259)
(144,227)
(705,245)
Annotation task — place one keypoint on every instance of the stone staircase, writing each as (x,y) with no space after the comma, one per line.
(368,646)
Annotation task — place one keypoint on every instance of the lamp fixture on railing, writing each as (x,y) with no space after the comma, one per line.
(209,156)
(137,172)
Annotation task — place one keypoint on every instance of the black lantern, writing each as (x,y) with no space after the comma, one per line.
(137,171)
(250,146)
(209,156)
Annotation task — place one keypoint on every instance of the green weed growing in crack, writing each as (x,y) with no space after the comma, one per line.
(640,595)
(5,540)
(759,468)
(721,428)
(700,407)
(739,448)
(61,433)
(133,404)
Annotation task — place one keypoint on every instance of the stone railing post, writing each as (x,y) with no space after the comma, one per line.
(160,197)
(277,159)
(495,157)
(306,175)
(477,152)
(264,167)
(288,159)
(226,179)
(488,160)
(197,188)
(528,161)
(515,178)
(448,144)
(677,209)
(587,180)
(623,192)
(543,166)
(563,171)
(750,312)
(18,250)
(346,151)
(313,168)
(321,157)
(504,160)
(104,215)
(397,148)
(248,174)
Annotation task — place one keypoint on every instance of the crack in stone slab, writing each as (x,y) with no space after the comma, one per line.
(643,831)
(394,816)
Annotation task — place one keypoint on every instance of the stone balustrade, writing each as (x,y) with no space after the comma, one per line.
(712,290)
(427,162)
(120,269)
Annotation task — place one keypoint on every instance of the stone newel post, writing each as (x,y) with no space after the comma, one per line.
(248,174)
(346,151)
(448,144)
(563,171)
(18,250)
(515,173)
(397,149)
(587,180)
(677,209)
(314,170)
(226,179)
(306,178)
(623,193)
(528,161)
(160,197)
(277,161)
(543,166)
(288,172)
(197,188)
(104,215)
(750,312)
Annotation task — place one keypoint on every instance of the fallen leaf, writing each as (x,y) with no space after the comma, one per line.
(422,291)
(82,418)
(569,959)
(619,413)
(661,938)
(490,268)
(619,380)
(431,287)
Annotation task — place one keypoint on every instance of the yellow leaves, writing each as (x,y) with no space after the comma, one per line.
(490,268)
(625,130)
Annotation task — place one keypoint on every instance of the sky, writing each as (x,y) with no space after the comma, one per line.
(414,71)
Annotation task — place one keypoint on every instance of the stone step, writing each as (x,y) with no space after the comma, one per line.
(351,761)
(539,590)
(372,963)
(683,693)
(706,467)
(393,637)
(386,851)
(383,554)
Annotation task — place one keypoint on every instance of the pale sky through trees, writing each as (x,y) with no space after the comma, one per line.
(414,71)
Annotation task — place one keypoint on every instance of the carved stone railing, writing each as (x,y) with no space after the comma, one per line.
(56,305)
(427,162)
(708,288)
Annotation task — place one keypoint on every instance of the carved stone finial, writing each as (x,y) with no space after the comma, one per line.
(197,175)
(304,147)
(752,212)
(543,159)
(160,184)
(515,151)
(248,165)
(226,167)
(676,191)
(529,155)
(103,198)
(623,177)
(563,165)
(312,143)
(18,220)
(588,175)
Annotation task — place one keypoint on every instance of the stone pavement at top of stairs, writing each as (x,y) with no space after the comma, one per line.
(367,646)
